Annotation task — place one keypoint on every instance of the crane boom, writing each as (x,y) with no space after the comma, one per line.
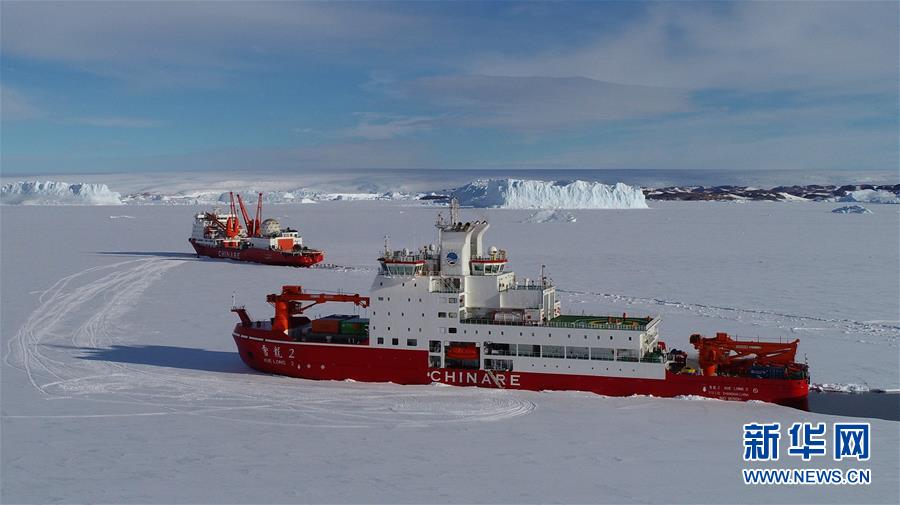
(290,302)
(256,222)
(251,229)
(726,354)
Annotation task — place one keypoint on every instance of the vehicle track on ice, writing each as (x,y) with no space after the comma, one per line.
(887,330)
(86,311)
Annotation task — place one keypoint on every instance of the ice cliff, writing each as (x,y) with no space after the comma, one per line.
(870,196)
(531,194)
(57,193)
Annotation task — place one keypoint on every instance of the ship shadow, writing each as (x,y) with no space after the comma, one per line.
(185,358)
(152,254)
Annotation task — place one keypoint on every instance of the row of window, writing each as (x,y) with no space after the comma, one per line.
(549,335)
(439,314)
(449,300)
(410,342)
(558,351)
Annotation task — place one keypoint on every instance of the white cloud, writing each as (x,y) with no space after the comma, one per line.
(116,122)
(381,127)
(533,104)
(172,43)
(744,45)
(14,106)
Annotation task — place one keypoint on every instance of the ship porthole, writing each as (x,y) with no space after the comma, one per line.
(322,367)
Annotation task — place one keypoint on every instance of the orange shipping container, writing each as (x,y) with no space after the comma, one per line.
(285,244)
(326,326)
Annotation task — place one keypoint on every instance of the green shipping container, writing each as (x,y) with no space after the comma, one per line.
(355,326)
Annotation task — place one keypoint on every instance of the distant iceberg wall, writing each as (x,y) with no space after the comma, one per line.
(57,193)
(871,196)
(532,194)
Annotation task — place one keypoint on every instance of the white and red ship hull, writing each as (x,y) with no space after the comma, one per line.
(305,258)
(363,363)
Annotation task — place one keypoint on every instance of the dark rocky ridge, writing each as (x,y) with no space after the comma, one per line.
(813,192)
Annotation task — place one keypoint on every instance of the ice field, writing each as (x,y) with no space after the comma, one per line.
(120,381)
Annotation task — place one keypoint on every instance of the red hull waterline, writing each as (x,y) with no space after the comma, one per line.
(370,364)
(265,256)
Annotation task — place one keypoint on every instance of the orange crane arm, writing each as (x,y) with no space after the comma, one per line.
(289,303)
(725,352)
(215,221)
(256,222)
(251,229)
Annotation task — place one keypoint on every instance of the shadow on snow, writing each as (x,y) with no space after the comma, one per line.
(169,356)
(151,254)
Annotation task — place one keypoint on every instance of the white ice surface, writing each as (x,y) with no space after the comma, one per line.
(120,382)
(551,216)
(534,194)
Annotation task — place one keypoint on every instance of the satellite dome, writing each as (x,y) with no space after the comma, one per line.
(270,228)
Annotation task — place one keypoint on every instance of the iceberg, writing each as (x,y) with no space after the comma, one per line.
(870,196)
(57,193)
(533,194)
(852,209)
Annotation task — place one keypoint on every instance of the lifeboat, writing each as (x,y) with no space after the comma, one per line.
(462,352)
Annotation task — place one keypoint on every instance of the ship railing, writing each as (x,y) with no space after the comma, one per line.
(551,324)
(448,285)
(526,286)
(499,256)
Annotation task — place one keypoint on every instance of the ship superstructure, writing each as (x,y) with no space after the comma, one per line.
(458,301)
(452,312)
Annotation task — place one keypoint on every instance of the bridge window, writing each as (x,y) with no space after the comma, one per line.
(626,355)
(498,364)
(602,354)
(530,350)
(577,352)
(553,351)
(496,349)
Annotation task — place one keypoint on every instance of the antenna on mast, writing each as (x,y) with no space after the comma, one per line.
(454,211)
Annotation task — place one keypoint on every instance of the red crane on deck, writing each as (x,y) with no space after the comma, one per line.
(289,303)
(254,225)
(722,353)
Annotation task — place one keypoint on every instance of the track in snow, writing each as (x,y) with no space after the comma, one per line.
(888,330)
(86,310)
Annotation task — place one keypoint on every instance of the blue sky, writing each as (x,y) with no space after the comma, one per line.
(94,87)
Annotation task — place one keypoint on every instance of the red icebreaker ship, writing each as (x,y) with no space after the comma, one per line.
(452,313)
(219,235)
